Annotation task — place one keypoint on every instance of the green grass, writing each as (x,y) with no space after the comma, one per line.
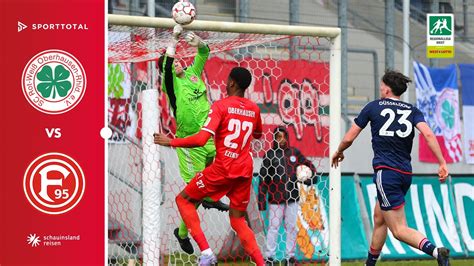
(381,263)
(184,259)
(454,262)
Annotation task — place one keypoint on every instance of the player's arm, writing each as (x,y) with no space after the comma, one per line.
(257,133)
(359,123)
(346,142)
(168,69)
(167,83)
(196,140)
(199,139)
(171,50)
(202,55)
(263,185)
(433,144)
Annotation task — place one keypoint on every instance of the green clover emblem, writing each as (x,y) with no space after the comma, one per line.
(115,78)
(447,113)
(57,84)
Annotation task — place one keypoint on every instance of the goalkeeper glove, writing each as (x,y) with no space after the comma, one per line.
(177,30)
(194,40)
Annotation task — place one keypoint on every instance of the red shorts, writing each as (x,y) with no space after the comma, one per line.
(236,189)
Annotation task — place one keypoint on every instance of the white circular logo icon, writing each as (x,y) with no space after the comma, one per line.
(54,183)
(53,82)
(292,158)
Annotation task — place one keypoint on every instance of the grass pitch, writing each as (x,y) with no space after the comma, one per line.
(182,259)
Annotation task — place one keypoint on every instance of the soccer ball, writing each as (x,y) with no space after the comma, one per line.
(184,12)
(303,172)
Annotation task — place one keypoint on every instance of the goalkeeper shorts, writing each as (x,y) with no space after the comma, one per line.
(194,160)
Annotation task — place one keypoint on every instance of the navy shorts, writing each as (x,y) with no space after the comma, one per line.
(392,186)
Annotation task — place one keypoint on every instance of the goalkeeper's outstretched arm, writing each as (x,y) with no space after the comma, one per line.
(171,50)
(202,53)
(165,64)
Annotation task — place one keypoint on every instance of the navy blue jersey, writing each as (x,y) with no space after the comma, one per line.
(392,123)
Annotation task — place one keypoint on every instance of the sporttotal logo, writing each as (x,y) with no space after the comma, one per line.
(21,26)
(54,183)
(54,82)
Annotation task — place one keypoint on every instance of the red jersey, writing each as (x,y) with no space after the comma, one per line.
(233,121)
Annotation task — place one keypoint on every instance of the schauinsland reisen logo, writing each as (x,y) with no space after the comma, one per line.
(54,82)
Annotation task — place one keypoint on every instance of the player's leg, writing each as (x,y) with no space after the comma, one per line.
(275,216)
(192,161)
(187,172)
(239,196)
(200,157)
(186,202)
(209,152)
(186,164)
(199,188)
(291,215)
(396,222)
(379,235)
(187,209)
(392,187)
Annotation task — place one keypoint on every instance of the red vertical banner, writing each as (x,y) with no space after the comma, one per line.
(52,166)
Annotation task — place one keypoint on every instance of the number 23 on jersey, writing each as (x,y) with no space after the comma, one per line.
(384,130)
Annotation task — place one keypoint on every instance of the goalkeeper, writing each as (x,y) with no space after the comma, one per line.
(188,99)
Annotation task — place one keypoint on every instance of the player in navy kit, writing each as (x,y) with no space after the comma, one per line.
(392,122)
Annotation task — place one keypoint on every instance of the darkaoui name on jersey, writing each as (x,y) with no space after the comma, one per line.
(60,26)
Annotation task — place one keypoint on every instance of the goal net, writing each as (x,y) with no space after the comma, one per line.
(295,80)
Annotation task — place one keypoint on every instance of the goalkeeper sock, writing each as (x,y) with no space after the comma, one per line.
(247,239)
(208,199)
(183,230)
(190,217)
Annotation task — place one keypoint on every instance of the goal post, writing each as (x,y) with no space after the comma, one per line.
(222,26)
(334,139)
(265,40)
(151,183)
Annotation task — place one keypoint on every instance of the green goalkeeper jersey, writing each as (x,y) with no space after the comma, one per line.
(187,95)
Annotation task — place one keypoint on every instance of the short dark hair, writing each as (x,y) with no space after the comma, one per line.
(396,81)
(160,63)
(280,129)
(241,76)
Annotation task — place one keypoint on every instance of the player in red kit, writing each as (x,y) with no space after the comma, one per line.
(233,121)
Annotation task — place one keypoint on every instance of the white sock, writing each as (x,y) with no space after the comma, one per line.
(435,253)
(207,252)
